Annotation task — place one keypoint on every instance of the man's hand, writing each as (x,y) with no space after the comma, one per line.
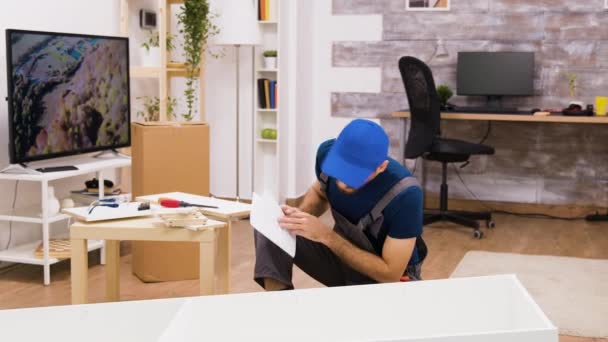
(305,225)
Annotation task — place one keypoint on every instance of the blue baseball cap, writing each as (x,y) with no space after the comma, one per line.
(360,148)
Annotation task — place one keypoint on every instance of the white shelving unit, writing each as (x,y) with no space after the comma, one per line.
(39,215)
(265,151)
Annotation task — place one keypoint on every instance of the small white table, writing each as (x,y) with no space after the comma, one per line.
(484,309)
(39,214)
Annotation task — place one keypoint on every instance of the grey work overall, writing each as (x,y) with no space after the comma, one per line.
(318,261)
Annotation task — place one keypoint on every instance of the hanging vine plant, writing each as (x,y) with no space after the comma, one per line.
(196,27)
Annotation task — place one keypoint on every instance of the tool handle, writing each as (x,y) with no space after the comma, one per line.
(169,203)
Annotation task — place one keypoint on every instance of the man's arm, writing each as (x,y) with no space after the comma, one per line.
(314,202)
(388,268)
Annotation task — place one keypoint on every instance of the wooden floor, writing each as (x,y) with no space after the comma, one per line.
(22,287)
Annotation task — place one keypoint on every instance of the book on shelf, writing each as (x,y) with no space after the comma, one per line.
(267,93)
(276,94)
(272,90)
(261,95)
(262,10)
(267,10)
(272,10)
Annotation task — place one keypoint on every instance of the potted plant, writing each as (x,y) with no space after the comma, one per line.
(151,55)
(197,27)
(445,93)
(151,108)
(572,88)
(270,59)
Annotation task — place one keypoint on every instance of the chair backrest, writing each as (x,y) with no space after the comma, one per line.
(424,106)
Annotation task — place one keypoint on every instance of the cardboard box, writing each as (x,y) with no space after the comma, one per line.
(168,157)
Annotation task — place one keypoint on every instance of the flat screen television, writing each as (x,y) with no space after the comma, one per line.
(67,93)
(495,74)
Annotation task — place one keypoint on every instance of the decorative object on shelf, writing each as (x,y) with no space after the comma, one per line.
(151,110)
(601,104)
(445,93)
(427,5)
(238,25)
(572,85)
(67,203)
(147,19)
(93,186)
(270,59)
(53,205)
(269,133)
(197,27)
(151,55)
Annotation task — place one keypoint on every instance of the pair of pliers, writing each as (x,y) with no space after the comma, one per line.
(104,202)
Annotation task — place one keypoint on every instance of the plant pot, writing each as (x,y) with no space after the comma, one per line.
(150,57)
(270,62)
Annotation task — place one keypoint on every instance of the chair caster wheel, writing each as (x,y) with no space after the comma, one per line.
(490,224)
(478,234)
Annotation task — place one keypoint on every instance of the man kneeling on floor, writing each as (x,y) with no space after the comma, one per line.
(377,207)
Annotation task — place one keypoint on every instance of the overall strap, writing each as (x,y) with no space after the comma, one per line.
(323,179)
(390,195)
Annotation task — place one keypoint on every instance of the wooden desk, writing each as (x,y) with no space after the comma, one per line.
(515,118)
(146,229)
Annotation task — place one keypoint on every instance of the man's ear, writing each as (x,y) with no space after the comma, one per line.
(382,167)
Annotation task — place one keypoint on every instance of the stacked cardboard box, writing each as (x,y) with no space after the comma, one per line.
(168,157)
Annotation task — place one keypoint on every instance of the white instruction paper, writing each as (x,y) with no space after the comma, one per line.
(264,214)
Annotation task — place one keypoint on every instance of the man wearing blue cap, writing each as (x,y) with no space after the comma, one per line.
(377,207)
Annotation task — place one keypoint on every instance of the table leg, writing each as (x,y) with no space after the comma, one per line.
(224,252)
(79,269)
(112,270)
(207,266)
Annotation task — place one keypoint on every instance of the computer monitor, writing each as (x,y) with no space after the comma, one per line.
(495,74)
(68,94)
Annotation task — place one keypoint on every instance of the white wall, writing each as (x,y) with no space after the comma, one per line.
(93,17)
(317,79)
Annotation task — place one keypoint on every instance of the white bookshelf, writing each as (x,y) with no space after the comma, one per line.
(265,177)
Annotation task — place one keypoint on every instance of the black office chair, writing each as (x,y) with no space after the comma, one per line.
(425,141)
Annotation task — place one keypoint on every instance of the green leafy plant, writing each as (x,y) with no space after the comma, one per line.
(270,53)
(154,41)
(445,93)
(151,108)
(196,27)
(572,83)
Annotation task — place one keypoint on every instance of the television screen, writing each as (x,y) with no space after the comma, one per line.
(68,94)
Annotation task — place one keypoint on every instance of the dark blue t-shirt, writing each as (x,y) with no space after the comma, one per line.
(403,215)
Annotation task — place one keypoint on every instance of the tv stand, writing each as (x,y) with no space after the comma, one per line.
(20,169)
(39,214)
